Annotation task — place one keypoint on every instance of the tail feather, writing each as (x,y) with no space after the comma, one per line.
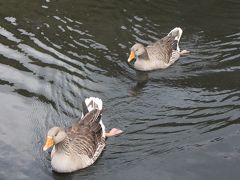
(90,104)
(177,33)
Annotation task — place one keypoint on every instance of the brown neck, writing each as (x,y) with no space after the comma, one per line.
(63,145)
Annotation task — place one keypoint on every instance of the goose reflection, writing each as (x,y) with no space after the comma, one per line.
(142,79)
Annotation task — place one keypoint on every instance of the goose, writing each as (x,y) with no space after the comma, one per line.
(80,145)
(158,55)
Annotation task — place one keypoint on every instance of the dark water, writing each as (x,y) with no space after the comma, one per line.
(179,123)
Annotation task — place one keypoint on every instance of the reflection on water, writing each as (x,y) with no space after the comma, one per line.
(179,123)
(141,79)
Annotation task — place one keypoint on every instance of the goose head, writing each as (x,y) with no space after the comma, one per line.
(54,136)
(137,50)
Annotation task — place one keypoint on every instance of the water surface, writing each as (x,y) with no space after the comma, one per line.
(179,123)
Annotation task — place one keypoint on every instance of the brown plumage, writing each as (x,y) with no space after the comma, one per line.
(86,134)
(158,55)
(80,145)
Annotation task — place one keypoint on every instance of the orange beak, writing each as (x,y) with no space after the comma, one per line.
(131,56)
(49,143)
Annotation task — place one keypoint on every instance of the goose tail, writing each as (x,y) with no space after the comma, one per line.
(176,33)
(90,104)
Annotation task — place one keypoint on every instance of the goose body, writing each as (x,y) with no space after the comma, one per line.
(158,55)
(80,145)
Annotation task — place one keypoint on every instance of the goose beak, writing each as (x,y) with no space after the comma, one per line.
(49,143)
(131,56)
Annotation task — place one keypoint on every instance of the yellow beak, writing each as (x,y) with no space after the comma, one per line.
(49,143)
(131,56)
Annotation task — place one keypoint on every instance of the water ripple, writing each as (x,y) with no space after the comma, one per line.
(54,54)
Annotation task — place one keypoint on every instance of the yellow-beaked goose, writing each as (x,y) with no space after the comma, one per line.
(158,55)
(80,145)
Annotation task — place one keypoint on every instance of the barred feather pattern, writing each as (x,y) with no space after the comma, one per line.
(83,144)
(160,54)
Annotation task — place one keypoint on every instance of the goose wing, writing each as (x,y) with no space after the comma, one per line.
(86,135)
(162,49)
